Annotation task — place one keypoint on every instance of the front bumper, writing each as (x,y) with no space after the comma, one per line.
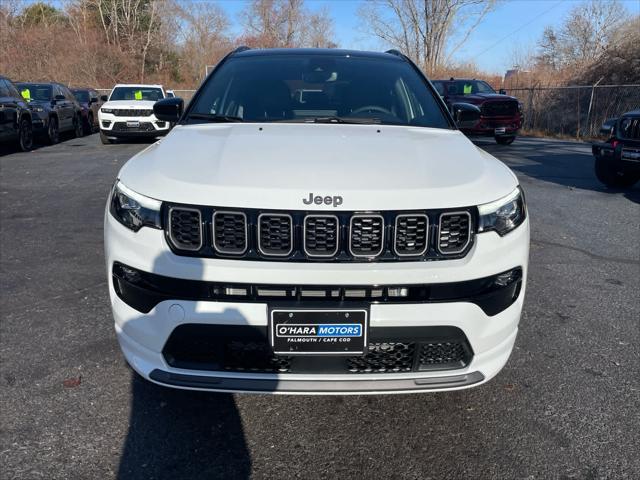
(495,126)
(143,336)
(118,126)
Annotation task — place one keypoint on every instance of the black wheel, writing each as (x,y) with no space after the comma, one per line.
(77,126)
(505,140)
(613,177)
(104,139)
(53,132)
(25,135)
(91,128)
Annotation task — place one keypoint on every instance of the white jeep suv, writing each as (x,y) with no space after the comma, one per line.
(128,112)
(316,223)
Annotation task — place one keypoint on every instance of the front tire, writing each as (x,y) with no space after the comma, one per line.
(53,133)
(25,135)
(77,126)
(505,140)
(614,177)
(104,139)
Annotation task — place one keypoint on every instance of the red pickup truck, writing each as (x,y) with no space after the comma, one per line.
(500,114)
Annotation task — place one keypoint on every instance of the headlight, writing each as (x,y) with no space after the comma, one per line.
(503,215)
(106,110)
(133,210)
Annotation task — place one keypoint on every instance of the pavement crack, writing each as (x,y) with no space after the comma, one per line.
(595,256)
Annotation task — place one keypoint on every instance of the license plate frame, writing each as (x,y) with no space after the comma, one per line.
(133,124)
(500,130)
(337,341)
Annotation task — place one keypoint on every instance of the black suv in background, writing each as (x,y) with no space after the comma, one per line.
(90,101)
(15,117)
(617,160)
(55,109)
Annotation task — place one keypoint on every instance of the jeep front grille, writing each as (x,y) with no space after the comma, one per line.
(185,228)
(366,235)
(454,232)
(230,232)
(321,235)
(275,234)
(411,235)
(500,108)
(301,236)
(129,112)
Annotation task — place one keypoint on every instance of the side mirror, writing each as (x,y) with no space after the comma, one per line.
(93,100)
(169,110)
(502,91)
(104,98)
(58,98)
(465,114)
(606,130)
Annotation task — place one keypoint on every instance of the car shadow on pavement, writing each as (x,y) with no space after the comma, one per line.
(182,434)
(178,434)
(566,163)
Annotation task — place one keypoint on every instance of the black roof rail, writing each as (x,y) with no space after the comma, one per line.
(242,48)
(395,52)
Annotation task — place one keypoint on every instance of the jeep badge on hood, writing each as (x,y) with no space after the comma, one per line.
(336,200)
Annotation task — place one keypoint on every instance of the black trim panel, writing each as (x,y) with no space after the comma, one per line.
(143,291)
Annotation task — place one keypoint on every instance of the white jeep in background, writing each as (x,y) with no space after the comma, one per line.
(128,112)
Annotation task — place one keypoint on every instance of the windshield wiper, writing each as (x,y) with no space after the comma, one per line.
(211,117)
(333,119)
(354,120)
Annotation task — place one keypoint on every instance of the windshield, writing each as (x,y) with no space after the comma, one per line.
(30,91)
(136,93)
(305,88)
(81,95)
(468,87)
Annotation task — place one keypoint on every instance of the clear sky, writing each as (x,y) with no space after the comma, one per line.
(514,24)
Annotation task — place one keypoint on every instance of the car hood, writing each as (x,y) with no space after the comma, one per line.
(130,104)
(478,98)
(276,166)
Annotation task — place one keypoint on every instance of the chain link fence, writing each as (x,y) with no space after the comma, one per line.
(575,111)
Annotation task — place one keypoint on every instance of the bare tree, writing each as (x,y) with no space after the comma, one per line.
(584,35)
(424,29)
(202,37)
(286,24)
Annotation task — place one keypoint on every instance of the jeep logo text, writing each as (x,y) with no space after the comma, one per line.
(336,200)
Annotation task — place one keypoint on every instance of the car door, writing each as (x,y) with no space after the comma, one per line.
(8,112)
(65,109)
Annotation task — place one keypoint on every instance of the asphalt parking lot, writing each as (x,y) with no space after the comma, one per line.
(566,405)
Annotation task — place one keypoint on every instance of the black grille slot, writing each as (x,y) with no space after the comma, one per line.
(384,357)
(443,355)
(454,232)
(500,109)
(127,112)
(411,235)
(230,232)
(185,228)
(366,235)
(321,235)
(275,234)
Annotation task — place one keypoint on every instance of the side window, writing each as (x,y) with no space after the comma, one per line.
(67,93)
(13,91)
(439,86)
(4,91)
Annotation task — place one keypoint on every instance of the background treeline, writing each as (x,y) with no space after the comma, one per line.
(101,42)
